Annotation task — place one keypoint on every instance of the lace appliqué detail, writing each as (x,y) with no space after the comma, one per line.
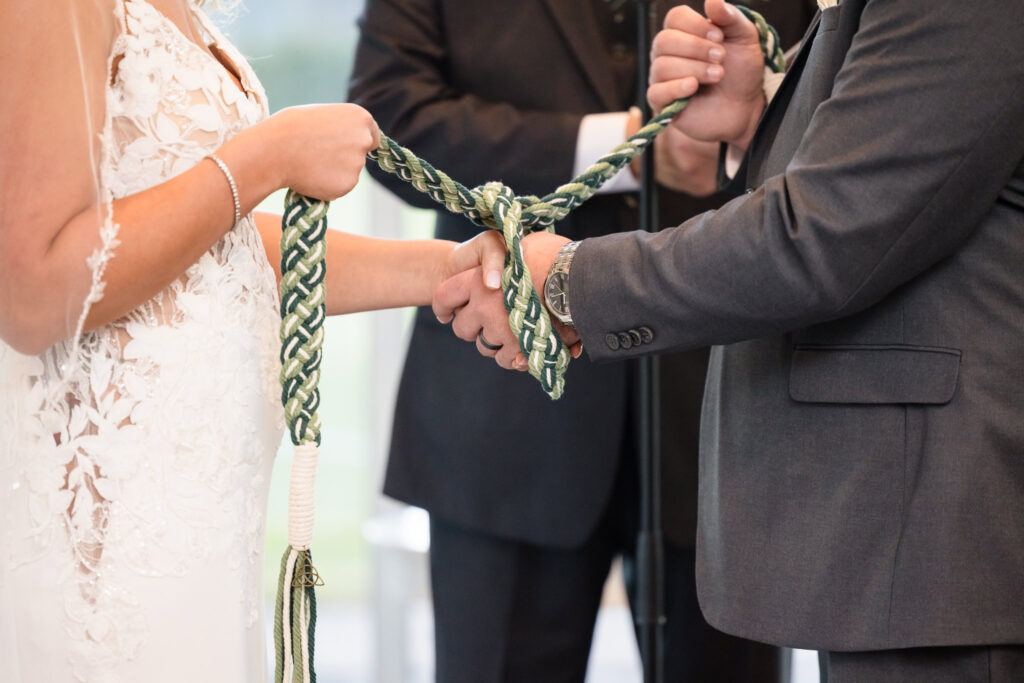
(150,455)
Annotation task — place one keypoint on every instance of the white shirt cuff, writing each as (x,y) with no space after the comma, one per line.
(770,84)
(733,161)
(598,134)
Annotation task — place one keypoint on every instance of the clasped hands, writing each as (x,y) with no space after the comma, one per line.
(716,60)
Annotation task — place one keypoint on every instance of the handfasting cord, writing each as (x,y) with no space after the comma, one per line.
(303,248)
(495,206)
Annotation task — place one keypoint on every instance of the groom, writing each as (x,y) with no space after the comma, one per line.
(862,478)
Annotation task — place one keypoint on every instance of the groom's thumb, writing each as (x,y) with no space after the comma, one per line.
(486,250)
(734,25)
(493,263)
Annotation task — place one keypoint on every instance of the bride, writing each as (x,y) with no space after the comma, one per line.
(139,399)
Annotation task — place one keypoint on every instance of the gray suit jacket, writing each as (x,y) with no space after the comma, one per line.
(862,445)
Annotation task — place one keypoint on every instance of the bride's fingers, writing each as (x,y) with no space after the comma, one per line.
(374,133)
(453,294)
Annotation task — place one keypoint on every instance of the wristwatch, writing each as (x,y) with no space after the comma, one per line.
(556,286)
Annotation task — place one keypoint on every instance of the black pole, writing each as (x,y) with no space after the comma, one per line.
(650,551)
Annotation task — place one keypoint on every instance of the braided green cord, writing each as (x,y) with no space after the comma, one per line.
(491,206)
(495,206)
(303,310)
(303,248)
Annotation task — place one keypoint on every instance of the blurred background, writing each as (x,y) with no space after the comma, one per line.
(374,617)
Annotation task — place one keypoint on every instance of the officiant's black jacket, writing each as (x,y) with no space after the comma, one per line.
(476,445)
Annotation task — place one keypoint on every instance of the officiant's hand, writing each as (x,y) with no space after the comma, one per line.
(720,55)
(477,312)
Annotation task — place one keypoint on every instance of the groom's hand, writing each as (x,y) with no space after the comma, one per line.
(486,250)
(473,274)
(477,312)
(721,55)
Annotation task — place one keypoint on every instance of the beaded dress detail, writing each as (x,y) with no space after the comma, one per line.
(135,461)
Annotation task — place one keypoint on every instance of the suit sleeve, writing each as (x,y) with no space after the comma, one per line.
(896,170)
(401,75)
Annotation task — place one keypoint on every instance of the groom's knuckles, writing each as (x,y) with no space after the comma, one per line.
(660,95)
(682,17)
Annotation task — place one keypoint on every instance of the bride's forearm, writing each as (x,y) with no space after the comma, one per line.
(368,273)
(160,233)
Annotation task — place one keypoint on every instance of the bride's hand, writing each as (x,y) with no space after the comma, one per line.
(317,150)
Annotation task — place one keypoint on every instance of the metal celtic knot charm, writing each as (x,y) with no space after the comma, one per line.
(307,577)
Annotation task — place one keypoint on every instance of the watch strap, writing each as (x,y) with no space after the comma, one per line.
(563,260)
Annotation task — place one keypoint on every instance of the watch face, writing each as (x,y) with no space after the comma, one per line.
(554,294)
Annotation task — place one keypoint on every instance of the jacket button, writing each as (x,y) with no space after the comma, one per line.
(636,337)
(612,341)
(630,201)
(646,334)
(625,341)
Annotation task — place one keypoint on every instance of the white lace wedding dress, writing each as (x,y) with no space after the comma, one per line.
(134,465)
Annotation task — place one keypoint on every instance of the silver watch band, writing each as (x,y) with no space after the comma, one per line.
(563,260)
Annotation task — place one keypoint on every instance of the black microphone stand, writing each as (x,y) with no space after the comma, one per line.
(650,616)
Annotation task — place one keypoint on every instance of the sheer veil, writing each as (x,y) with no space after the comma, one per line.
(52,494)
(70,441)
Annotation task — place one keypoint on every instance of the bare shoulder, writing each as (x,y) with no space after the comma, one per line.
(86,23)
(54,57)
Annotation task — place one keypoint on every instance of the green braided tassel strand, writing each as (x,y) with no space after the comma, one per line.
(295,618)
(495,206)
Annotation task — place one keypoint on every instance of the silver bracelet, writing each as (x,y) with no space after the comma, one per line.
(231,181)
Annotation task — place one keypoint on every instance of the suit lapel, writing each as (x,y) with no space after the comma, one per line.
(772,116)
(583,35)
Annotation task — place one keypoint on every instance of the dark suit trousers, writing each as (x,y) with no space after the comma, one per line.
(998,664)
(513,612)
